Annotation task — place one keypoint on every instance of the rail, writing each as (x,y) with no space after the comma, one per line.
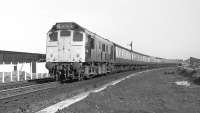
(8,93)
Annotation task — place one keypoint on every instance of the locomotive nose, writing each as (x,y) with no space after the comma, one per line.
(77,55)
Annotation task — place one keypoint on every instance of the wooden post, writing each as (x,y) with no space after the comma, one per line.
(3,75)
(131,50)
(36,70)
(25,73)
(11,77)
(17,72)
(3,78)
(17,75)
(24,63)
(31,70)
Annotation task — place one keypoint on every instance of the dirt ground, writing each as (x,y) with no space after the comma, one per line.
(152,92)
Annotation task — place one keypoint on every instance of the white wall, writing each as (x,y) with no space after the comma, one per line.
(24,67)
(40,67)
(6,67)
(7,73)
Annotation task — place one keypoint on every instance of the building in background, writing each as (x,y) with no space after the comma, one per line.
(20,66)
(194,62)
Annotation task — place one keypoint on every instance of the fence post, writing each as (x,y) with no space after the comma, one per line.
(17,72)
(31,70)
(25,75)
(24,63)
(11,77)
(17,75)
(3,78)
(3,74)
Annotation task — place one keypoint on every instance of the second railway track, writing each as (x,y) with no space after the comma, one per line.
(8,93)
(11,85)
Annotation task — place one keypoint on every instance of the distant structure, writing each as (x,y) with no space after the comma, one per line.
(20,66)
(14,57)
(193,62)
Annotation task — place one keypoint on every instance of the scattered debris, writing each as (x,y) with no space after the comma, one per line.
(193,74)
(169,72)
(183,83)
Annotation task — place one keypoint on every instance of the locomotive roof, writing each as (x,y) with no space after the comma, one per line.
(14,56)
(67,26)
(132,50)
(75,26)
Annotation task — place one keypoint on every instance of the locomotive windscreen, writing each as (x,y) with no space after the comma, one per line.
(67,26)
(64,26)
(77,36)
(53,36)
(65,33)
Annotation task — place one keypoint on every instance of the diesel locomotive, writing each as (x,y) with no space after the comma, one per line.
(73,52)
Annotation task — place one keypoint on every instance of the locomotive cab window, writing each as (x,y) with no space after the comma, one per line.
(65,33)
(53,36)
(77,36)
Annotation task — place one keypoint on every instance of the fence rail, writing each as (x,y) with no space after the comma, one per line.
(15,76)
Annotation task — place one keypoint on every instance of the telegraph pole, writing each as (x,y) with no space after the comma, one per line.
(131,46)
(131,50)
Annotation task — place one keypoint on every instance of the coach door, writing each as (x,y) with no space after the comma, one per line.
(64,48)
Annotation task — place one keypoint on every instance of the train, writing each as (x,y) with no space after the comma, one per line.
(75,53)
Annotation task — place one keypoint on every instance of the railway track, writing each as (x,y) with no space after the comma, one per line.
(13,92)
(22,90)
(11,85)
(43,95)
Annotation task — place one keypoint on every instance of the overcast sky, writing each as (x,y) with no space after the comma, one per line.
(162,28)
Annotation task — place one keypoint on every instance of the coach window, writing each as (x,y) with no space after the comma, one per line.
(92,43)
(103,47)
(77,36)
(65,33)
(99,45)
(53,36)
(106,48)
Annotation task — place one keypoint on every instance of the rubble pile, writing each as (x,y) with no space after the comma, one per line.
(193,73)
